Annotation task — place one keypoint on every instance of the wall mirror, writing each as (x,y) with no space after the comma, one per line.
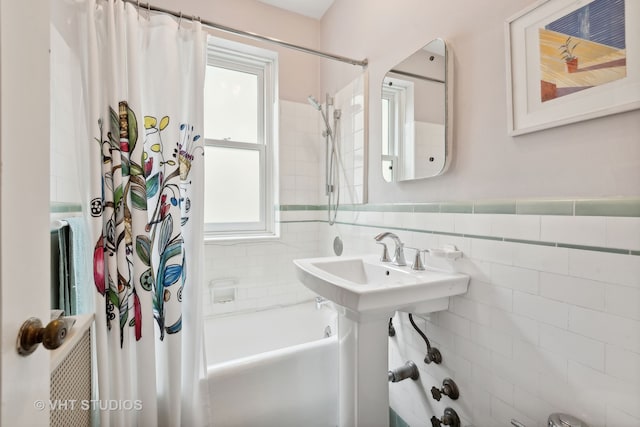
(416,141)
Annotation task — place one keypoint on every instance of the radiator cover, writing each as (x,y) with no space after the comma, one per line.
(71,386)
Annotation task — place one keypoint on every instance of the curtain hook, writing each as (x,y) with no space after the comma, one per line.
(180,20)
(138,8)
(149,9)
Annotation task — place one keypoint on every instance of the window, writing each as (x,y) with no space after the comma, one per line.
(388,134)
(397,128)
(239,113)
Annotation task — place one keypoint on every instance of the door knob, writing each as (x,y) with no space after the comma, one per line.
(32,333)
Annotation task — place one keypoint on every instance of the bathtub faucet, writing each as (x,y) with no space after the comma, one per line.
(398,253)
(320,302)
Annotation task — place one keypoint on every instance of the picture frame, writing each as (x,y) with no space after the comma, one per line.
(544,90)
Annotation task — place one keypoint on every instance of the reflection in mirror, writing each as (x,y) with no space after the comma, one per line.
(415,140)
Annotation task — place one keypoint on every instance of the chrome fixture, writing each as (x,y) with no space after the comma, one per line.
(392,330)
(332,156)
(565,420)
(254,36)
(450,418)
(327,331)
(398,253)
(314,102)
(417,261)
(338,246)
(321,302)
(449,388)
(408,370)
(433,354)
(385,252)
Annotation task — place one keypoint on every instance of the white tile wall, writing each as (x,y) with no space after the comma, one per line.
(300,149)
(524,227)
(64,115)
(542,329)
(622,233)
(587,230)
(573,290)
(605,267)
(350,100)
(262,273)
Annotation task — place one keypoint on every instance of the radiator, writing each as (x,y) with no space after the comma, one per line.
(71,387)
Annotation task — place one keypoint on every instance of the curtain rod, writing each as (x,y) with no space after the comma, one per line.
(363,63)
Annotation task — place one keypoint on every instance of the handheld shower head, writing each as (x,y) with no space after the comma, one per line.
(314,103)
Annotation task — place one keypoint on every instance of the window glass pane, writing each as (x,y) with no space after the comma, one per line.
(385,127)
(387,170)
(230,105)
(232,185)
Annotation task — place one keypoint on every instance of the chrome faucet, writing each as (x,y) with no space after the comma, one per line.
(398,253)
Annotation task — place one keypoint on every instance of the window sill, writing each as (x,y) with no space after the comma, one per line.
(213,239)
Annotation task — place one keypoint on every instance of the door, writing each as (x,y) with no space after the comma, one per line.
(24,206)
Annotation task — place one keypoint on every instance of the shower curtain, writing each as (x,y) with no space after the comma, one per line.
(144,80)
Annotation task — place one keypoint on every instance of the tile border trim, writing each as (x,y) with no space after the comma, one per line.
(611,207)
(504,239)
(476,236)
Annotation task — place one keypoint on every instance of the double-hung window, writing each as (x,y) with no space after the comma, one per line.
(397,128)
(240,104)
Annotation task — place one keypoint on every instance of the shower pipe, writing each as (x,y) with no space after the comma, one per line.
(149,7)
(433,354)
(332,157)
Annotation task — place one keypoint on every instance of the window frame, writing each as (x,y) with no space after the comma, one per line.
(262,63)
(399,94)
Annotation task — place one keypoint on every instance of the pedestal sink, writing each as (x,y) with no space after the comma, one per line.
(367,292)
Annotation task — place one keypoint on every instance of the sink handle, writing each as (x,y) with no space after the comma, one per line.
(417,261)
(385,252)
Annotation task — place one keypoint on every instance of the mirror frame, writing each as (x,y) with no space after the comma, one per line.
(448,104)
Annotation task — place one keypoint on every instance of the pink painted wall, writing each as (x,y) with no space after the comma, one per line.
(299,72)
(596,158)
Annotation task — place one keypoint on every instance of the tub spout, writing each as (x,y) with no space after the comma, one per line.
(408,370)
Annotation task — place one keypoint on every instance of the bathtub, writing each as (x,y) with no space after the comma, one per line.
(273,367)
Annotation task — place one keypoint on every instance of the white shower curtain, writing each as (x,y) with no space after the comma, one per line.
(144,89)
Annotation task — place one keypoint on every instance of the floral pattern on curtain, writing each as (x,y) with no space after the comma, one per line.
(155,184)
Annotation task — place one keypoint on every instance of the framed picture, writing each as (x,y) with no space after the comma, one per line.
(572,60)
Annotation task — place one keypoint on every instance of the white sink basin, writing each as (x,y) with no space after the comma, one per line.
(364,284)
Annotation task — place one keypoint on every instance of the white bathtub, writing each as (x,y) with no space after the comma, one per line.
(273,368)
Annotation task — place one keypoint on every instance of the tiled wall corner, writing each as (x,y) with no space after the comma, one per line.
(550,323)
